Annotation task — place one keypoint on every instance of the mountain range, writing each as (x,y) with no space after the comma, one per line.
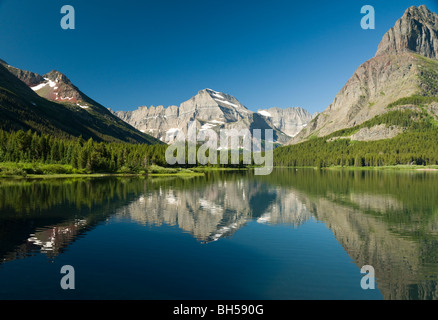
(215,110)
(403,75)
(51,103)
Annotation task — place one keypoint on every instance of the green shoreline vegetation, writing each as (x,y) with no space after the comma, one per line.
(400,167)
(29,154)
(16,173)
(415,146)
(40,170)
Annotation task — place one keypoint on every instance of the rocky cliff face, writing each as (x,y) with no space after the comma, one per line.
(28,77)
(212,110)
(290,121)
(53,86)
(210,105)
(405,64)
(416,31)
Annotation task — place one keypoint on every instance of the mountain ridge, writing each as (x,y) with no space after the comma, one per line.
(400,68)
(210,109)
(415,31)
(21,107)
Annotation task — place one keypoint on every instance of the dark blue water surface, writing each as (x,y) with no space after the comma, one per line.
(296,234)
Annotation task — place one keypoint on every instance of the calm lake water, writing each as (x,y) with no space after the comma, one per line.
(296,234)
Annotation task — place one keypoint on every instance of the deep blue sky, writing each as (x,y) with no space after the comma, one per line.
(129,53)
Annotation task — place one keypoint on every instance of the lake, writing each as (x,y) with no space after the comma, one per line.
(295,234)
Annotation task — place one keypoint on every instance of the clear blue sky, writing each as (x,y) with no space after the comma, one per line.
(129,53)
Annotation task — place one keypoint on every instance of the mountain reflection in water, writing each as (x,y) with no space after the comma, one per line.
(384,219)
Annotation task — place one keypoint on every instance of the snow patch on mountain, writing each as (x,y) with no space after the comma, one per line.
(49,82)
(38,87)
(172,130)
(226,102)
(265,114)
(207,126)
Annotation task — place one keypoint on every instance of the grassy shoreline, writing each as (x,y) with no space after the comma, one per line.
(390,168)
(400,167)
(12,170)
(18,171)
(100,175)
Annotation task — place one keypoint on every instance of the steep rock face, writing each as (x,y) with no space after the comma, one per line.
(210,109)
(401,68)
(290,121)
(374,85)
(416,31)
(210,105)
(28,77)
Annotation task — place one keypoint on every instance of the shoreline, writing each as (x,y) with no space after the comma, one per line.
(100,175)
(390,168)
(431,168)
(200,171)
(163,172)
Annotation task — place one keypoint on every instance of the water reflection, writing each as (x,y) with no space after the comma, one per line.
(218,209)
(47,216)
(384,219)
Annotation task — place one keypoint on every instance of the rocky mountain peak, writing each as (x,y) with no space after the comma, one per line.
(222,99)
(212,109)
(57,77)
(404,65)
(54,85)
(57,87)
(210,105)
(415,31)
